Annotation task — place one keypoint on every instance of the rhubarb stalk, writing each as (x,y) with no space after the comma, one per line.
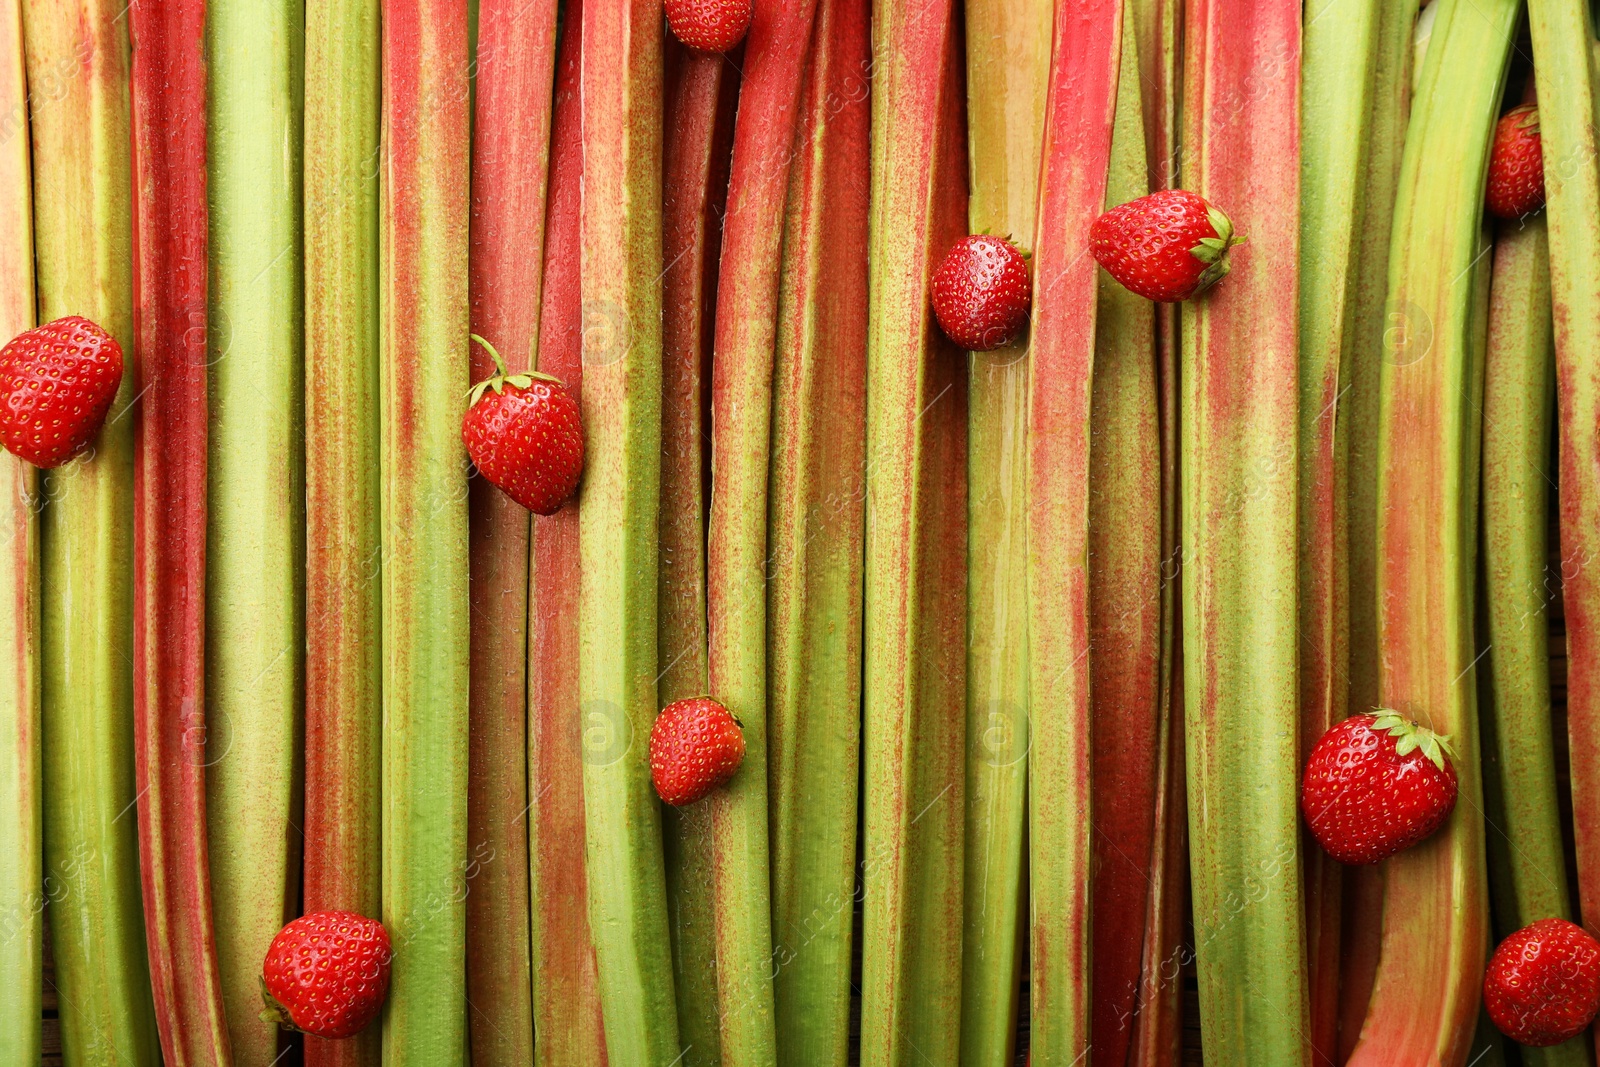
(568,1030)
(914,678)
(814,599)
(1079,118)
(620,97)
(1008,68)
(1340,49)
(343,712)
(424,372)
(169,525)
(78,57)
(510,156)
(1563,36)
(1241,152)
(1124,605)
(21,797)
(1425,993)
(702,94)
(736,529)
(254,541)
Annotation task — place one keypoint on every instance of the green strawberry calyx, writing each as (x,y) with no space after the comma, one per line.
(275,1012)
(1411,736)
(500,379)
(1213,251)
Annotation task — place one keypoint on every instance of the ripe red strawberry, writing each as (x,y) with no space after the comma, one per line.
(524,434)
(57,382)
(695,746)
(981,293)
(1543,983)
(326,973)
(1376,784)
(1168,246)
(1516,164)
(710,25)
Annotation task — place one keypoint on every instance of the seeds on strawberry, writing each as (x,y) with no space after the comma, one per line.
(981,293)
(1542,986)
(523,433)
(326,974)
(695,746)
(57,382)
(1168,246)
(1376,784)
(1516,165)
(710,25)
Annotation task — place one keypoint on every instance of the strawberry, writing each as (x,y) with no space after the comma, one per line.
(695,746)
(1168,246)
(524,434)
(981,293)
(1516,165)
(1543,983)
(1376,784)
(710,25)
(57,382)
(326,973)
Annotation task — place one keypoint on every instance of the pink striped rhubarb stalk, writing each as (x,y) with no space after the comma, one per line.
(702,93)
(424,370)
(1425,994)
(82,228)
(343,710)
(1079,117)
(914,677)
(568,1031)
(169,525)
(1241,112)
(816,531)
(620,97)
(1563,36)
(510,156)
(1008,73)
(21,795)
(736,529)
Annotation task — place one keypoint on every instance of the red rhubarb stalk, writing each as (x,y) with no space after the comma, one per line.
(510,155)
(1072,192)
(169,528)
(566,1002)
(702,93)
(736,552)
(818,462)
(914,677)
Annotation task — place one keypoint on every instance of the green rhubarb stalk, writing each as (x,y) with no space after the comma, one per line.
(1239,420)
(1563,36)
(424,372)
(914,679)
(568,1030)
(1527,868)
(82,233)
(171,323)
(617,667)
(702,91)
(736,528)
(1389,101)
(817,530)
(1340,49)
(1079,119)
(1008,67)
(1124,606)
(1425,993)
(21,829)
(511,148)
(254,542)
